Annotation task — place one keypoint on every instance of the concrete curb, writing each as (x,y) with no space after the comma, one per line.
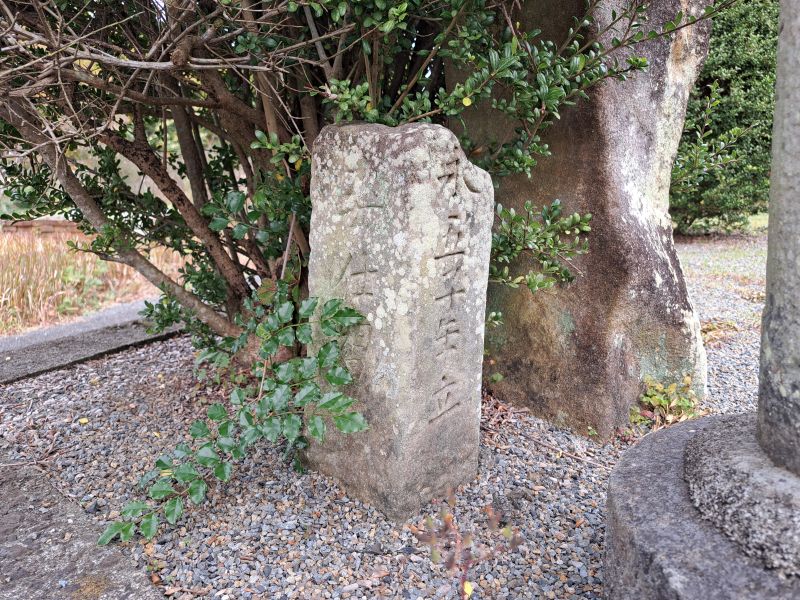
(43,350)
(658,546)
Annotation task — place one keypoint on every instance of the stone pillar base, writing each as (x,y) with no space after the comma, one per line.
(658,546)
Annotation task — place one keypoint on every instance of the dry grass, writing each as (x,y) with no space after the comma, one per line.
(43,282)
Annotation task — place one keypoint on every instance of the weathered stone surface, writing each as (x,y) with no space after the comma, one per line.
(401,229)
(736,486)
(578,355)
(779,382)
(48,547)
(657,545)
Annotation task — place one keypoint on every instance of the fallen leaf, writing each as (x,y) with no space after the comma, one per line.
(83,421)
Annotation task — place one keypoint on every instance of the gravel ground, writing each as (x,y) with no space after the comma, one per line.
(726,278)
(270,533)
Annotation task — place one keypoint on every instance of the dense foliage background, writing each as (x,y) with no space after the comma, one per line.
(742,60)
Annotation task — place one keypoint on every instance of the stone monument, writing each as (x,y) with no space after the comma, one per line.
(401,230)
(710,509)
(578,355)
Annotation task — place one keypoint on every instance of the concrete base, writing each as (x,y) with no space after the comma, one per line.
(737,487)
(657,544)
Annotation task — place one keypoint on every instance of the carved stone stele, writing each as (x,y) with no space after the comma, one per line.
(401,230)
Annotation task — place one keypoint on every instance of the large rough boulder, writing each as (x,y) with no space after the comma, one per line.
(579,355)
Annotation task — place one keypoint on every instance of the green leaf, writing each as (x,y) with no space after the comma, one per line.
(316,428)
(207,457)
(350,422)
(182,451)
(173,510)
(149,526)
(328,355)
(238,396)
(223,471)
(164,462)
(291,427)
(110,533)
(285,372)
(330,308)
(285,337)
(338,376)
(199,429)
(226,443)
(186,472)
(335,402)
(226,428)
(148,477)
(126,531)
(234,201)
(307,307)
(197,491)
(306,368)
(218,223)
(285,312)
(310,392)
(347,317)
(304,333)
(280,398)
(161,489)
(133,509)
(271,428)
(217,412)
(250,435)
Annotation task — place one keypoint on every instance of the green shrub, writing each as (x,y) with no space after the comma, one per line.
(742,59)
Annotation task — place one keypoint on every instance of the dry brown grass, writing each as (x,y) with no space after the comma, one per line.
(42,281)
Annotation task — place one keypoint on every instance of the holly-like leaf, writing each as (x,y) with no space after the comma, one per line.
(217,412)
(225,443)
(347,317)
(328,355)
(173,510)
(350,422)
(149,526)
(206,456)
(110,533)
(161,489)
(304,333)
(199,429)
(316,428)
(335,402)
(285,337)
(223,471)
(197,491)
(133,509)
(186,473)
(310,392)
(148,477)
(271,428)
(306,368)
(280,398)
(338,376)
(307,307)
(284,372)
(291,427)
(182,450)
(238,396)
(285,312)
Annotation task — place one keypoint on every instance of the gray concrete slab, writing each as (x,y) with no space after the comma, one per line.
(56,347)
(48,547)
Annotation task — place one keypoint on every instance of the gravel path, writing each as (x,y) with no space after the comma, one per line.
(726,278)
(270,533)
